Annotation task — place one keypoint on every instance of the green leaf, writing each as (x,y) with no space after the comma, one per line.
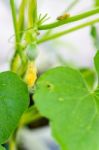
(2,148)
(64,98)
(13,102)
(96,60)
(95,36)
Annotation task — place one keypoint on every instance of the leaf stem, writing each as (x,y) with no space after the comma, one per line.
(32,13)
(12,143)
(13,9)
(69,20)
(29,116)
(21,16)
(59,34)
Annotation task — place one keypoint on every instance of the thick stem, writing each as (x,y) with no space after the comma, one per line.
(13,9)
(69,20)
(57,35)
(32,20)
(12,143)
(21,17)
(32,13)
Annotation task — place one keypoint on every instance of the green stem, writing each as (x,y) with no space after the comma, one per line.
(32,13)
(13,9)
(69,20)
(12,143)
(48,32)
(57,35)
(29,116)
(32,21)
(21,17)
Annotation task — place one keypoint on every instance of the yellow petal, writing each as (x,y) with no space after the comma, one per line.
(31,74)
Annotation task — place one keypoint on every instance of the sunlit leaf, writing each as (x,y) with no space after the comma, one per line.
(63,97)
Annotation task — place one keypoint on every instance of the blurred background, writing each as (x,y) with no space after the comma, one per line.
(75,49)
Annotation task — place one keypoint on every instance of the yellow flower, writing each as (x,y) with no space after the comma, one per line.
(31,74)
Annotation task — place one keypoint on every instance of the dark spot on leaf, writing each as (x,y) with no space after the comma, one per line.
(50,86)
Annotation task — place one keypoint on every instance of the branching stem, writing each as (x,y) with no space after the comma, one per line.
(59,34)
(69,20)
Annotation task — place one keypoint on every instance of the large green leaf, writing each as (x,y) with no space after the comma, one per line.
(13,102)
(73,110)
(2,148)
